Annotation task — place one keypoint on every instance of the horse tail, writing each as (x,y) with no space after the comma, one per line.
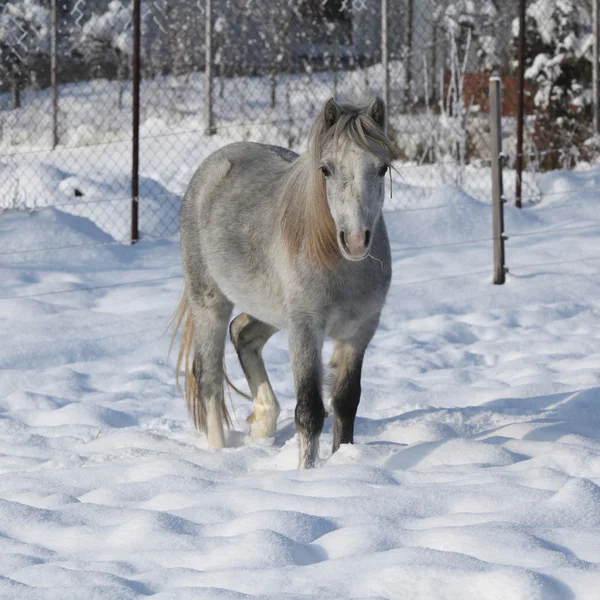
(186,360)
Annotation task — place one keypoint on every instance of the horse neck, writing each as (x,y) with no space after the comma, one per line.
(296,192)
(305,216)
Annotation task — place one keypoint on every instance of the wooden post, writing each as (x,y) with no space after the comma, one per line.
(497,191)
(53,81)
(135,105)
(208,101)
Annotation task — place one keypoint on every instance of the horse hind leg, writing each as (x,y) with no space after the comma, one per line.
(249,335)
(210,313)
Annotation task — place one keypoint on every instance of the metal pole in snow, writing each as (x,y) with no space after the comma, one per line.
(497,191)
(208,101)
(53,82)
(595,73)
(408,43)
(135,105)
(521,106)
(384,52)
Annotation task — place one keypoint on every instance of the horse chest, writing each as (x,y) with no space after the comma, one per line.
(352,307)
(343,324)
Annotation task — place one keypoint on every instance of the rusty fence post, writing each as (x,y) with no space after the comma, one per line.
(521,106)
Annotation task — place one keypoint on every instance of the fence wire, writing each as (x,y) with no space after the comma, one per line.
(273,66)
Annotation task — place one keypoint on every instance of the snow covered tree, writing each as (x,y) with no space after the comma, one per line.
(24,41)
(187,22)
(251,35)
(274,35)
(179,41)
(108,34)
(558,62)
(472,24)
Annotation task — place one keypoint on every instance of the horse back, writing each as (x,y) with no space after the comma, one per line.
(229,223)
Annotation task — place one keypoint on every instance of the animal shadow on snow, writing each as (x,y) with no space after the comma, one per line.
(546,418)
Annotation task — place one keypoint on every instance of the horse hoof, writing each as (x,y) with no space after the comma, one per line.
(262,428)
(216,442)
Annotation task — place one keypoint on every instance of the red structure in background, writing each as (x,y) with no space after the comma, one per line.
(476,93)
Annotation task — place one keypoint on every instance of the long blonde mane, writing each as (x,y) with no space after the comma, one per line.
(304,215)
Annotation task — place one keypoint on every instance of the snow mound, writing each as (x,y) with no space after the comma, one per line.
(476,468)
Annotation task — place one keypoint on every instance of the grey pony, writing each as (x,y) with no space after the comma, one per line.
(299,244)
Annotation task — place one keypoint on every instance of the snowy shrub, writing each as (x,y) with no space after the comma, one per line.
(558,62)
(107,34)
(24,40)
(266,29)
(471,24)
(173,37)
(470,30)
(448,138)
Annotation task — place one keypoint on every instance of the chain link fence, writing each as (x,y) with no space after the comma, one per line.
(65,124)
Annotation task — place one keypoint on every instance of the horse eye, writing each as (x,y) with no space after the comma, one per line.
(382,171)
(325,171)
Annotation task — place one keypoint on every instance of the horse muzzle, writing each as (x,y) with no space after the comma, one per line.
(354,246)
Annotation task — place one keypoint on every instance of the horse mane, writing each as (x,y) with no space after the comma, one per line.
(304,214)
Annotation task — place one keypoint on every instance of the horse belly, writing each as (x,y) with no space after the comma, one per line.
(261,309)
(250,293)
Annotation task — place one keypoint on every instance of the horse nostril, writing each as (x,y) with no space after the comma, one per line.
(343,239)
(367,238)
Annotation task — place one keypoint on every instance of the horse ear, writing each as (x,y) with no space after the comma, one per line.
(377,111)
(331,112)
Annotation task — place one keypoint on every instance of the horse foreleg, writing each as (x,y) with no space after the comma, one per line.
(249,335)
(345,391)
(305,350)
(346,362)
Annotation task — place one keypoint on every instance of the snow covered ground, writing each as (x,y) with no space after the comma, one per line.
(476,469)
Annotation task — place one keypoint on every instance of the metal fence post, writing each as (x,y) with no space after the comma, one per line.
(521,106)
(497,191)
(595,67)
(135,106)
(408,44)
(384,52)
(53,82)
(208,81)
